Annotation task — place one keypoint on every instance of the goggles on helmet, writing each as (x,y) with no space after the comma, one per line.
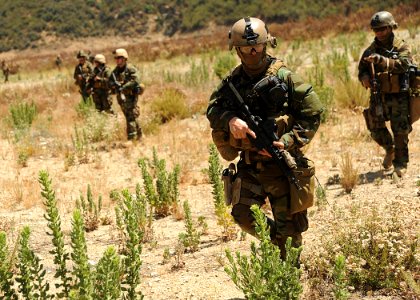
(248,49)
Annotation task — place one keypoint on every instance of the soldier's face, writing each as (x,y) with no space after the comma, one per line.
(382,33)
(120,61)
(82,60)
(251,56)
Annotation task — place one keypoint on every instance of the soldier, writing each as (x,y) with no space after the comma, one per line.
(125,82)
(6,70)
(387,60)
(99,84)
(58,62)
(296,109)
(82,73)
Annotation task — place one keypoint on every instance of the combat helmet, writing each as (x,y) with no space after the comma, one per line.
(120,52)
(81,54)
(100,58)
(382,19)
(250,31)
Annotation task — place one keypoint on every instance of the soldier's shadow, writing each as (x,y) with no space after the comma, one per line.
(370,177)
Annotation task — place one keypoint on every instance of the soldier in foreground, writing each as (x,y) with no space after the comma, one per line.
(384,68)
(287,111)
(125,82)
(82,73)
(99,84)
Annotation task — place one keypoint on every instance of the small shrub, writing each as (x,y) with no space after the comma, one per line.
(108,273)
(339,276)
(90,210)
(22,115)
(6,271)
(170,104)
(324,92)
(321,196)
(338,64)
(224,63)
(224,218)
(166,193)
(191,238)
(31,276)
(349,174)
(197,74)
(351,94)
(81,145)
(85,108)
(264,275)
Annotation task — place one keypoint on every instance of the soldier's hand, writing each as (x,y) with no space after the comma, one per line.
(278,144)
(375,58)
(80,77)
(97,78)
(240,129)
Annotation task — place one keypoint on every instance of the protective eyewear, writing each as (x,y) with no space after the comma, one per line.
(118,57)
(380,29)
(248,49)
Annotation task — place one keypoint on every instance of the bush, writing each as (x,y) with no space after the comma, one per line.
(22,115)
(224,63)
(166,193)
(264,275)
(191,238)
(170,104)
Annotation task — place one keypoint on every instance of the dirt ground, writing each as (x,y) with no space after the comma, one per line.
(202,276)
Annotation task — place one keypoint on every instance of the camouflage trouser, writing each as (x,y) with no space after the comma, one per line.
(396,110)
(84,93)
(257,182)
(102,100)
(131,112)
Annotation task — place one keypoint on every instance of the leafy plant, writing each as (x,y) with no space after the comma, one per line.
(191,238)
(52,216)
(224,218)
(108,273)
(90,210)
(166,193)
(6,273)
(339,276)
(264,275)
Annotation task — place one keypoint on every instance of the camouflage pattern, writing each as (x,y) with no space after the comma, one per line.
(258,176)
(128,78)
(81,75)
(100,88)
(395,105)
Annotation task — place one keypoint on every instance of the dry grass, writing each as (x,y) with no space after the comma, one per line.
(349,173)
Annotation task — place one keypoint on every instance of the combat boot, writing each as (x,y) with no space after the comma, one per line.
(389,157)
(400,169)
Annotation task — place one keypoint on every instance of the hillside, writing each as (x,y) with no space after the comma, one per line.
(29,24)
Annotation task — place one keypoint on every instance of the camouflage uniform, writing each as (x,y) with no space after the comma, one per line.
(100,88)
(260,176)
(128,78)
(85,72)
(395,104)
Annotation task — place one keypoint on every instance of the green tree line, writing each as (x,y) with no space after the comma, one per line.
(23,23)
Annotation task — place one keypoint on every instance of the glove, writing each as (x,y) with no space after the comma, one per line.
(375,58)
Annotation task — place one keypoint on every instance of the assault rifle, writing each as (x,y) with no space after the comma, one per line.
(117,87)
(265,136)
(376,101)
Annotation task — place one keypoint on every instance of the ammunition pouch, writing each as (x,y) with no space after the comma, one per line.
(389,83)
(414,108)
(302,199)
(228,177)
(221,140)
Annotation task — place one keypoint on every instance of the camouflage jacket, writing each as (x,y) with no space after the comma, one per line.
(127,77)
(100,77)
(395,49)
(85,71)
(301,103)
